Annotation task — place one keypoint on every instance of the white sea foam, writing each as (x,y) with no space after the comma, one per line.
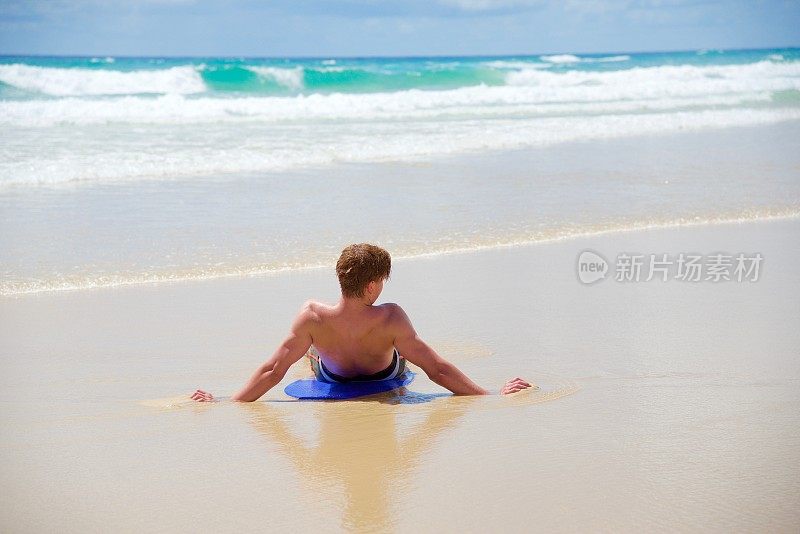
(478,102)
(120,155)
(613,59)
(73,82)
(569,58)
(561,58)
(663,81)
(289,78)
(504,64)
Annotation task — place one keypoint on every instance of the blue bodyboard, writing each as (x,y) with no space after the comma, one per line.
(313,389)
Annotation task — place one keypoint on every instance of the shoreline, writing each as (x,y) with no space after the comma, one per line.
(256,273)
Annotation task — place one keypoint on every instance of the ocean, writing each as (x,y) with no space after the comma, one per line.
(120,170)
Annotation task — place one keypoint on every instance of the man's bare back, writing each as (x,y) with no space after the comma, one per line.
(355,338)
(353,341)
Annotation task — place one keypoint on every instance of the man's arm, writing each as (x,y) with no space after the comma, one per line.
(444,373)
(271,372)
(287,354)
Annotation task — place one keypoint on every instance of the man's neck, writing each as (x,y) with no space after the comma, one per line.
(349,304)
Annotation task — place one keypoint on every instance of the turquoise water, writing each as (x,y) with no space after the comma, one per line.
(237,77)
(129,170)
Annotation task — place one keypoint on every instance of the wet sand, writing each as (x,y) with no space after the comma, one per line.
(663,406)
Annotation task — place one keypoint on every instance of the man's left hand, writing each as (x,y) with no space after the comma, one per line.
(202,396)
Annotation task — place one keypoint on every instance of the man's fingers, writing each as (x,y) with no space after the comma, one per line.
(513,387)
(202,396)
(518,381)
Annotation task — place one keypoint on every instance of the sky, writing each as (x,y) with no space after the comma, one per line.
(314,28)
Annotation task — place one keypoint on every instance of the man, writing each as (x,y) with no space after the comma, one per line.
(355,340)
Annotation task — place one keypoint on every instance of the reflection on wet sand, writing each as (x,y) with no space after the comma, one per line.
(359,453)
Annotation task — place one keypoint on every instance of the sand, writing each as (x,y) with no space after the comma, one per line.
(663,406)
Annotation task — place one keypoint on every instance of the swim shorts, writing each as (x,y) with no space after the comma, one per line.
(323,374)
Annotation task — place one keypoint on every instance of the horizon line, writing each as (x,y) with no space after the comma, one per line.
(413,56)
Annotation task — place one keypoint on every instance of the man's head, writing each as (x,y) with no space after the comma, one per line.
(362,264)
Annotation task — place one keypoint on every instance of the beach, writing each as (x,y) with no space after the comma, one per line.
(663,405)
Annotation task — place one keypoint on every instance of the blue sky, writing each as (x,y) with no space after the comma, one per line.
(379,28)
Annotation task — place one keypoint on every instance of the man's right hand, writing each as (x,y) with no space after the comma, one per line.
(514,385)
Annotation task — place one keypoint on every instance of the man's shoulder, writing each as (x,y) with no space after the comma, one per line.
(313,310)
(394,312)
